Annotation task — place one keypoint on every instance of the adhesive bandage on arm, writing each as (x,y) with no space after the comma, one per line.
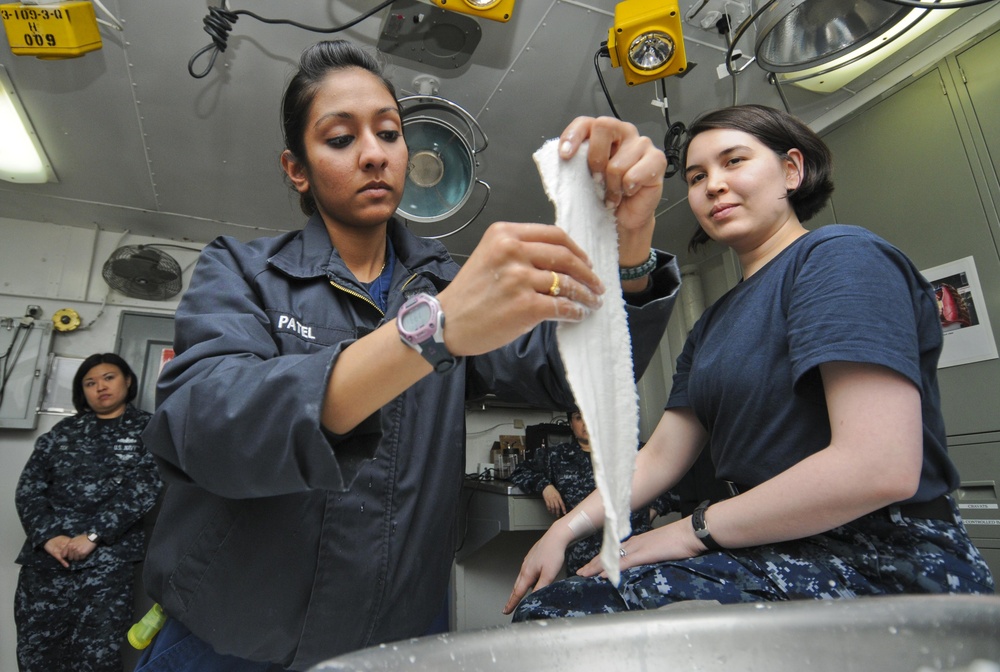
(581,525)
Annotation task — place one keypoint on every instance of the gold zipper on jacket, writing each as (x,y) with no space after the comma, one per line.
(364,297)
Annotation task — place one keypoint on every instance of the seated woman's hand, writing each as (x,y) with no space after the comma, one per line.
(541,565)
(553,501)
(675,541)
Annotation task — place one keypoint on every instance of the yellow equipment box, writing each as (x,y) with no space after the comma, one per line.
(54,31)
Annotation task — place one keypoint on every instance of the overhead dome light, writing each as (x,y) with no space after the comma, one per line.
(646,40)
(821,45)
(794,35)
(495,10)
(441,174)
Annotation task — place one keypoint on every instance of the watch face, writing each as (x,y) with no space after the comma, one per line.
(416,317)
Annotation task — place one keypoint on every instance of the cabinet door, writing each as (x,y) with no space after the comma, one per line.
(903,171)
(978,63)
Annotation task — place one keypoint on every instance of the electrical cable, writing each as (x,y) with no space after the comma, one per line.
(673,138)
(220,20)
(5,372)
(603,51)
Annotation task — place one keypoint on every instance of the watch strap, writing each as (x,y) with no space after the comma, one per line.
(701,527)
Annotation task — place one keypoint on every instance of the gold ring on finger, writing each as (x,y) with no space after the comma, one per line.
(554,289)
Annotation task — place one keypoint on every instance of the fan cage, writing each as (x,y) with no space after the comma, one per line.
(143,272)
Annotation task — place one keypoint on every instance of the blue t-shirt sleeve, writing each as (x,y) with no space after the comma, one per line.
(851,302)
(678,397)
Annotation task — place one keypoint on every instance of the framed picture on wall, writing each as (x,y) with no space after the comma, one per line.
(968,336)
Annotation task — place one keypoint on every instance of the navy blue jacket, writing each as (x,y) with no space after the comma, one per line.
(277,540)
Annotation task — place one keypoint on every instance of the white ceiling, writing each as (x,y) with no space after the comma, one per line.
(137,143)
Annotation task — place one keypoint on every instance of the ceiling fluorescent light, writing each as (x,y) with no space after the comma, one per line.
(22,158)
(835,74)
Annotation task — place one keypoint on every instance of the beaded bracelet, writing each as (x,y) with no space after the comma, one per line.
(640,271)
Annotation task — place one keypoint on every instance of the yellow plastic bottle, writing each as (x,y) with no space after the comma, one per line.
(142,633)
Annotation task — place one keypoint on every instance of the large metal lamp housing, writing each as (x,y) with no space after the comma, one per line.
(823,44)
(646,41)
(443,139)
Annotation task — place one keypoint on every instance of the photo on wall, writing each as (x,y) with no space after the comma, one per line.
(968,336)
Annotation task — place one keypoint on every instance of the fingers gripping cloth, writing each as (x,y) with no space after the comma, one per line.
(597,352)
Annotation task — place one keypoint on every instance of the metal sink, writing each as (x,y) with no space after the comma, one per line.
(871,634)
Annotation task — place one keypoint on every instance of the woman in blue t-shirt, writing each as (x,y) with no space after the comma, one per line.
(813,383)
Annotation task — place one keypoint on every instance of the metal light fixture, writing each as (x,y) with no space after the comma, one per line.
(646,40)
(494,10)
(22,158)
(443,139)
(822,45)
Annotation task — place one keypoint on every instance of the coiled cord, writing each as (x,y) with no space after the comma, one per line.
(220,20)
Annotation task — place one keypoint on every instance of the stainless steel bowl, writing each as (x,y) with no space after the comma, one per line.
(871,634)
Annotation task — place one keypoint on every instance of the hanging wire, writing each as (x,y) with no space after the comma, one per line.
(603,51)
(220,20)
(7,362)
(673,138)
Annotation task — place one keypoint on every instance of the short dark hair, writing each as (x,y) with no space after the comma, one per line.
(80,399)
(315,64)
(780,132)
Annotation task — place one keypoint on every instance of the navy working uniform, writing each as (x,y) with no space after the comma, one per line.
(85,475)
(278,540)
(568,468)
(838,293)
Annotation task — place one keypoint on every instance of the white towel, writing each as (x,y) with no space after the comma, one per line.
(597,352)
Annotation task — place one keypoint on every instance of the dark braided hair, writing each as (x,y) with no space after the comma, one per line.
(315,64)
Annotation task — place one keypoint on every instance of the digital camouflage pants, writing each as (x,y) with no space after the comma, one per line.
(882,553)
(73,620)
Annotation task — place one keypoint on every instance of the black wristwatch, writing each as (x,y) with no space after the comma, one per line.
(701,527)
(421,326)
(93,537)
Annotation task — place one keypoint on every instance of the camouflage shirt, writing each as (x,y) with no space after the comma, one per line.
(88,475)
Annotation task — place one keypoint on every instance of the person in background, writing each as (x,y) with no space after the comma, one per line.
(564,475)
(81,499)
(813,383)
(311,425)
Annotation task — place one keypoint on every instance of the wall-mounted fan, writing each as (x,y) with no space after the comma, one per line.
(143,272)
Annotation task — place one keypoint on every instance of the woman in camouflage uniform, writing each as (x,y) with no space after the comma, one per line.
(564,476)
(81,499)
